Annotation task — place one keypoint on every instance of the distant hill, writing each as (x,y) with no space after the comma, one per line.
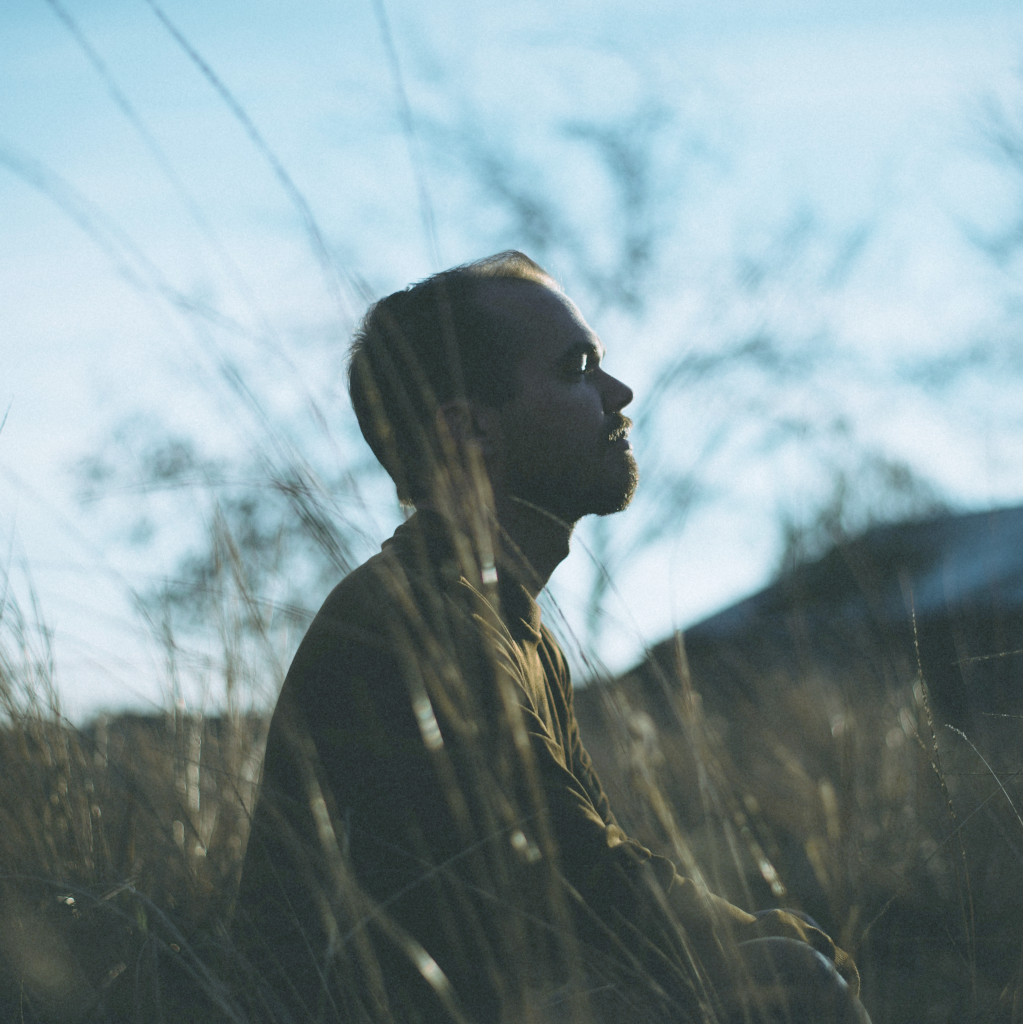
(848,741)
(945,590)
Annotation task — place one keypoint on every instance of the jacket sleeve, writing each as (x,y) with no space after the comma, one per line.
(630,883)
(633,891)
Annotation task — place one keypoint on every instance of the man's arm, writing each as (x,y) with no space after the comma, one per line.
(712,924)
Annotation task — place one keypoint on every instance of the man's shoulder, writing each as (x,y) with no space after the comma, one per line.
(352,632)
(364,587)
(405,605)
(403,581)
(367,598)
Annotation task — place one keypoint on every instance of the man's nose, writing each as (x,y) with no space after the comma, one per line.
(616,394)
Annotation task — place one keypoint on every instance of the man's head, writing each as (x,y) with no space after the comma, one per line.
(494,353)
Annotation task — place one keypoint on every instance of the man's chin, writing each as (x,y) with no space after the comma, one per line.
(617,499)
(614,495)
(620,505)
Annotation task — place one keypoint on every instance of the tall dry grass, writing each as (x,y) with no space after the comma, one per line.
(898,833)
(121,841)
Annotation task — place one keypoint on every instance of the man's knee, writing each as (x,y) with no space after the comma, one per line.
(784,981)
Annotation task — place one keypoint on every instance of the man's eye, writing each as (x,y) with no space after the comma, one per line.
(587,362)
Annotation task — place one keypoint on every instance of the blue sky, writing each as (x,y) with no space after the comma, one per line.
(860,112)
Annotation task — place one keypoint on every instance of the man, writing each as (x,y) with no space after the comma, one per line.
(431,842)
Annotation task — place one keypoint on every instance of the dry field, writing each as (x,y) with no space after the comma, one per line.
(837,783)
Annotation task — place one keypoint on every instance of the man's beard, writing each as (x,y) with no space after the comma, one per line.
(617,498)
(570,501)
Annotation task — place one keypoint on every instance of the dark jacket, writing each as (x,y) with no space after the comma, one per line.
(430,836)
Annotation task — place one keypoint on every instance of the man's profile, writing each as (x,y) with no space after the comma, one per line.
(431,842)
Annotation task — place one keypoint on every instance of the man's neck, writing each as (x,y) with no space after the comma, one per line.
(534,542)
(530,541)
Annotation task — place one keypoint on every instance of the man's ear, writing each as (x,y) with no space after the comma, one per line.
(467,422)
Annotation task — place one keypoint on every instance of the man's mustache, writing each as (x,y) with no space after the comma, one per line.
(619,427)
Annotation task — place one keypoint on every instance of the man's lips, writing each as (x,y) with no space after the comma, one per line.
(618,436)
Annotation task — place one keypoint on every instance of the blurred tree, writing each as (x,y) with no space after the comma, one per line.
(757,377)
(752,382)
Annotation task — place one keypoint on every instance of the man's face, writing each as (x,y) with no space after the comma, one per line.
(562,440)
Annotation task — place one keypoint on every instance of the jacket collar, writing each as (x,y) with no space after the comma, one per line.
(434,546)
